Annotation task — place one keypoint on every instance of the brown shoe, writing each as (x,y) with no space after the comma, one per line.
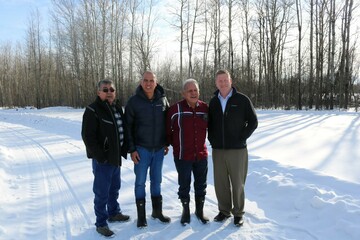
(119,218)
(105,231)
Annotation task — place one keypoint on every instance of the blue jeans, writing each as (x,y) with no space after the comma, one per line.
(199,169)
(106,186)
(154,161)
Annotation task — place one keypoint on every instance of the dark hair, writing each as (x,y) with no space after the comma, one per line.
(104,81)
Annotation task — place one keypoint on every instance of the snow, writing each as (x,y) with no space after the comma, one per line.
(303,181)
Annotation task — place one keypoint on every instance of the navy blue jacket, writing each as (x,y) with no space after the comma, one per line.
(100,133)
(231,129)
(146,119)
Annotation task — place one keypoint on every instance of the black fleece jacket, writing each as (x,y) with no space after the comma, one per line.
(100,133)
(231,129)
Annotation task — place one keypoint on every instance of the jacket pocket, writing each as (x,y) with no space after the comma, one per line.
(106,145)
(107,121)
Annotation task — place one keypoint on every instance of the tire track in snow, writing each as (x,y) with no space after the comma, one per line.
(33,188)
(47,186)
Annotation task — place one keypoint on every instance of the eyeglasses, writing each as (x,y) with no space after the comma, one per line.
(105,90)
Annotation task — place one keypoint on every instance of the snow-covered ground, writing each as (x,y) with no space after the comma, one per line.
(303,181)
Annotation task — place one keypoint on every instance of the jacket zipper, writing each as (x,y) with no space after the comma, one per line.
(116,130)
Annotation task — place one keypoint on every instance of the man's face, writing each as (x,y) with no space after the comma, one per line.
(223,83)
(148,83)
(191,94)
(107,92)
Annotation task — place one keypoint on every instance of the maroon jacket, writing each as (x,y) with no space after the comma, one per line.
(186,130)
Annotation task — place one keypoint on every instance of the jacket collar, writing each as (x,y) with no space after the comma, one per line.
(105,102)
(159,92)
(185,103)
(216,93)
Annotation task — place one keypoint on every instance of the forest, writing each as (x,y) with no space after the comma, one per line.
(283,54)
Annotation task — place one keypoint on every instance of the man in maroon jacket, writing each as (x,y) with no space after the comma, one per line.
(186,132)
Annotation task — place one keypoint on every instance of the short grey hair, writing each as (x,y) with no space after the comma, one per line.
(104,81)
(190,80)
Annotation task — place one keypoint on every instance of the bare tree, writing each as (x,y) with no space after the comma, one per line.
(93,39)
(34,51)
(214,7)
(230,65)
(133,5)
(6,86)
(117,31)
(207,71)
(299,20)
(331,56)
(311,71)
(247,35)
(191,26)
(275,25)
(345,61)
(320,6)
(144,44)
(262,88)
(179,11)
(104,7)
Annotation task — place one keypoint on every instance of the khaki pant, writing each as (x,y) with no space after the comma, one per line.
(230,170)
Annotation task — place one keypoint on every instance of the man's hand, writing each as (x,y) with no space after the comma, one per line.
(166,150)
(135,157)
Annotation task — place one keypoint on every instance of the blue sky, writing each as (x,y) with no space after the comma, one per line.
(14,16)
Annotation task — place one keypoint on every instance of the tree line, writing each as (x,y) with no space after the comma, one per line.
(291,54)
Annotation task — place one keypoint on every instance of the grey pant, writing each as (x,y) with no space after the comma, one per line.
(230,170)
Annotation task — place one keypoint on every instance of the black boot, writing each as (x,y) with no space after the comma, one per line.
(185,216)
(199,201)
(141,221)
(157,210)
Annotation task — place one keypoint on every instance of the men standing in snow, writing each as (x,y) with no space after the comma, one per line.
(103,132)
(186,132)
(145,114)
(232,120)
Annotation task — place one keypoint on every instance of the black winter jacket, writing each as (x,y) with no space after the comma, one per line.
(231,129)
(146,119)
(101,135)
